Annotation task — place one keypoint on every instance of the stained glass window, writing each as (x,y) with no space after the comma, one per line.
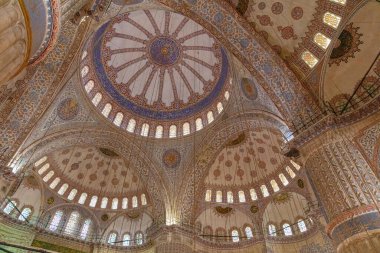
(124,203)
(274,185)
(159,132)
(126,240)
(173,131)
(331,19)
(235,235)
(134,202)
(272,230)
(139,238)
(55,182)
(72,194)
(9,207)
(227,95)
(241,197)
(97,98)
(309,59)
(210,117)
(143,199)
(144,129)
(219,196)
(198,124)
(131,125)
(25,213)
(56,220)
(283,179)
(208,196)
(287,229)
(296,165)
(264,190)
(104,202)
(89,86)
(40,161)
(115,203)
(43,169)
(253,194)
(93,201)
(219,107)
(63,189)
(85,229)
(72,223)
(302,226)
(321,40)
(48,176)
(230,197)
(186,128)
(84,71)
(118,119)
(248,232)
(107,109)
(82,198)
(290,172)
(112,238)
(342,2)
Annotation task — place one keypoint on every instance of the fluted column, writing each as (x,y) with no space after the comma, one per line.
(350,194)
(13,41)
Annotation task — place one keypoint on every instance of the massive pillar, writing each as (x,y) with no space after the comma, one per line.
(14,40)
(350,194)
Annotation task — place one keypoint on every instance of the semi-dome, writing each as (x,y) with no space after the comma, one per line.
(156,73)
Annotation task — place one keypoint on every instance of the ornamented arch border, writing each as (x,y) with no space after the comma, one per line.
(145,168)
(195,172)
(287,92)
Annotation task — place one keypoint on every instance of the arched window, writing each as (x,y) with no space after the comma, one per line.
(331,19)
(63,189)
(287,229)
(124,203)
(97,98)
(210,117)
(235,235)
(89,86)
(208,196)
(322,40)
(40,161)
(139,238)
(43,169)
(131,125)
(283,179)
(143,199)
(85,229)
(186,128)
(84,55)
(241,197)
(290,172)
(56,220)
(219,196)
(264,190)
(173,131)
(104,202)
(302,225)
(296,165)
(272,230)
(112,238)
(118,119)
(309,59)
(55,182)
(248,232)
(230,197)
(159,132)
(115,203)
(342,2)
(253,194)
(274,185)
(134,201)
(227,95)
(25,213)
(93,201)
(84,71)
(127,240)
(72,194)
(9,207)
(107,109)
(72,223)
(198,124)
(219,107)
(48,176)
(82,198)
(144,129)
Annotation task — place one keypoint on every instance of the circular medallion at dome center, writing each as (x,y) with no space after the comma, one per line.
(164,51)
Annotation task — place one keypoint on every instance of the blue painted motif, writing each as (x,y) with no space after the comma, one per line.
(164,51)
(145,112)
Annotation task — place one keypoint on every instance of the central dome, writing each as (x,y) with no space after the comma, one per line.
(158,74)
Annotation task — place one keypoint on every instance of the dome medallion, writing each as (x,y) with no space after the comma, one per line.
(158,69)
